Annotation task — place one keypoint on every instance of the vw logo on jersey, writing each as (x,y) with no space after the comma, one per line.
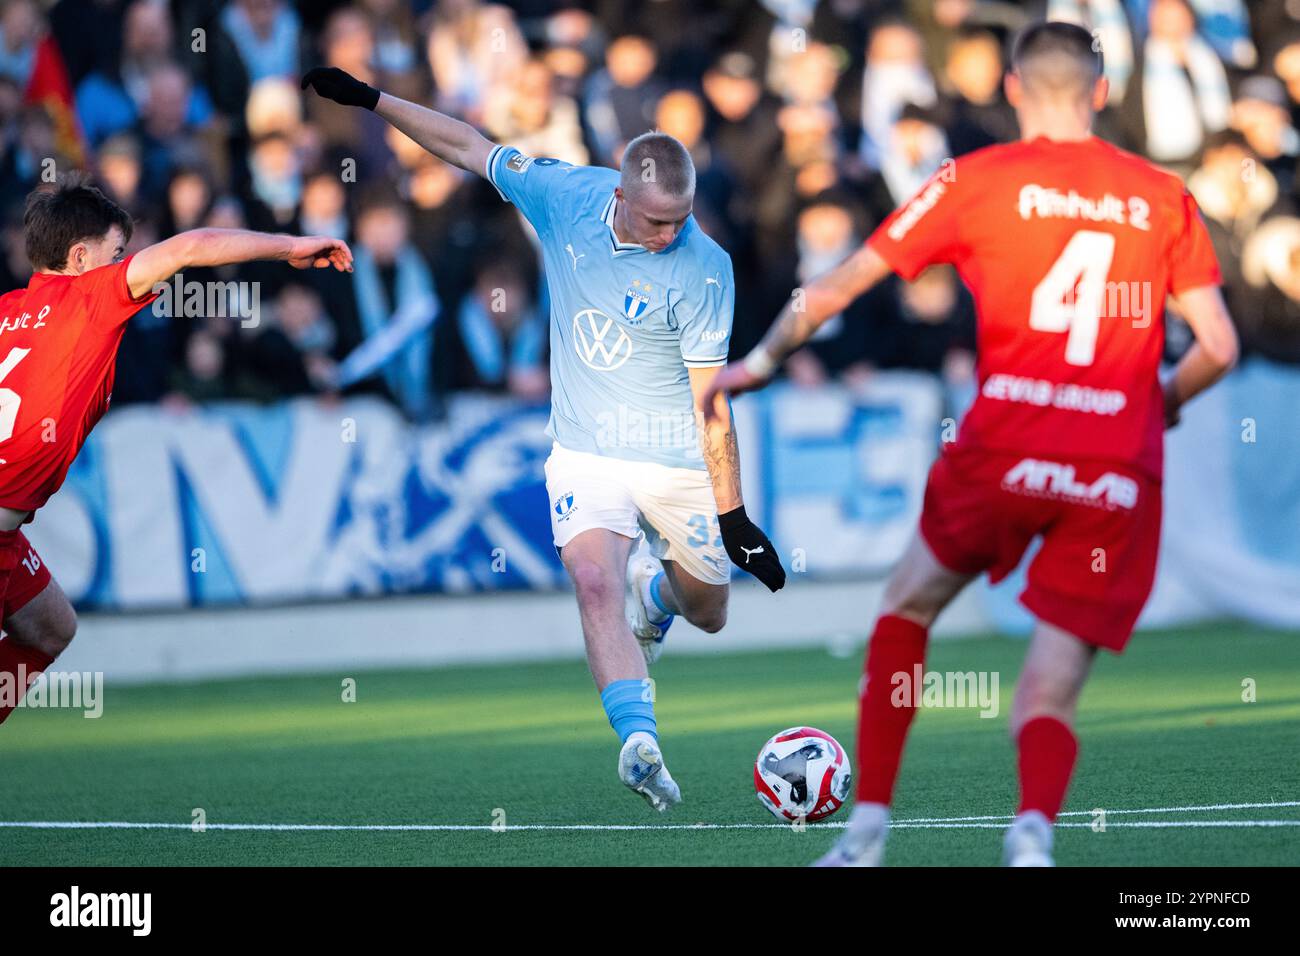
(635,300)
(600,342)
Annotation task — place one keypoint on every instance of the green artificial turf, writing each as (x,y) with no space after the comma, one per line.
(1162,727)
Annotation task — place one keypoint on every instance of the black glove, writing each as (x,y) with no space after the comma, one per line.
(334,84)
(750,549)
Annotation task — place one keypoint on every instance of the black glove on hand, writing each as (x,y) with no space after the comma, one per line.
(334,84)
(750,549)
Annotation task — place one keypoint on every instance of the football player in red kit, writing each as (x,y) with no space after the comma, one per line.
(58,347)
(1069,247)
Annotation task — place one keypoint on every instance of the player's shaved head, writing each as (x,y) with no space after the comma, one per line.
(658,161)
(1057,59)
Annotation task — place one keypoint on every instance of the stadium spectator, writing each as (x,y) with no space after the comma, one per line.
(393,24)
(1271,267)
(1224,24)
(27,154)
(1286,64)
(786,137)
(917,148)
(474,49)
(291,353)
(267,36)
(826,236)
(934,328)
(449,229)
(895,75)
(168,137)
(531,116)
(1236,193)
(396,305)
(348,43)
(188,201)
(274,106)
(118,169)
(30,57)
(501,336)
(324,206)
(743,128)
(681,114)
(203,375)
(1259,112)
(1179,90)
(975,112)
(112,99)
(620,98)
(275,187)
(1109,22)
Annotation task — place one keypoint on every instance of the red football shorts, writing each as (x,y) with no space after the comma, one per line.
(27,579)
(1099,523)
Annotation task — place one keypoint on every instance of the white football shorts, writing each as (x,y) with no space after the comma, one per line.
(674,507)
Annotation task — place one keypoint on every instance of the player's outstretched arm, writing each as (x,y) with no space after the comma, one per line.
(221,247)
(1212,354)
(825,296)
(448,138)
(745,542)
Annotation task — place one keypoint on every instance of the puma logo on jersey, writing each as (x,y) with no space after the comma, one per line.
(1053,479)
(715,279)
(749,554)
(576,256)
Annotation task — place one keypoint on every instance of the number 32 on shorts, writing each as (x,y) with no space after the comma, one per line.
(702,528)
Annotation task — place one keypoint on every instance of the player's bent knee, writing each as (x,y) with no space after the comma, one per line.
(710,621)
(594,584)
(66,630)
(910,607)
(1037,696)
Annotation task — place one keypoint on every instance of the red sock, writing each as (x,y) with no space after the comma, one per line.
(12,655)
(1048,749)
(896,646)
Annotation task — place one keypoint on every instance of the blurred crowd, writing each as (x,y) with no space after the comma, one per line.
(808,120)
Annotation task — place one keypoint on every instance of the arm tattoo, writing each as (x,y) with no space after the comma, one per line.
(790,330)
(722,459)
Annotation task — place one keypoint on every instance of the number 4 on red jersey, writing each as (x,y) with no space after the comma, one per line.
(1069,250)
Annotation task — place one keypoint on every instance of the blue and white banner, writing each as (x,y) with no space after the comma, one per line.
(238,504)
(235,503)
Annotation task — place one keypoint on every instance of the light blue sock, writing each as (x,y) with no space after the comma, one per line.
(628,709)
(657,598)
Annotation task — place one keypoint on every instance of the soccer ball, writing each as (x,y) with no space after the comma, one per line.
(802,773)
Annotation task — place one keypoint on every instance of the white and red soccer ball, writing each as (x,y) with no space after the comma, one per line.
(802,773)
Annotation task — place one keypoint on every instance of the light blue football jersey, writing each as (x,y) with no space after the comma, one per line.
(626,323)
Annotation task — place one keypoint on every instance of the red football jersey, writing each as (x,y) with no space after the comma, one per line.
(58,348)
(1069,249)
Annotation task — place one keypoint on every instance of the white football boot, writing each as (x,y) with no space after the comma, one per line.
(641,569)
(863,840)
(641,768)
(1028,841)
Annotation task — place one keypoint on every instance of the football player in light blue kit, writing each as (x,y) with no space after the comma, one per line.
(641,311)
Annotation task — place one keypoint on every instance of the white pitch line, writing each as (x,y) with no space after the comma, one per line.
(1087,813)
(597,827)
(994,821)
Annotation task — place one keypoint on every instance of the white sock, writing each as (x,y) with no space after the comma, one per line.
(867,818)
(641,736)
(652,609)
